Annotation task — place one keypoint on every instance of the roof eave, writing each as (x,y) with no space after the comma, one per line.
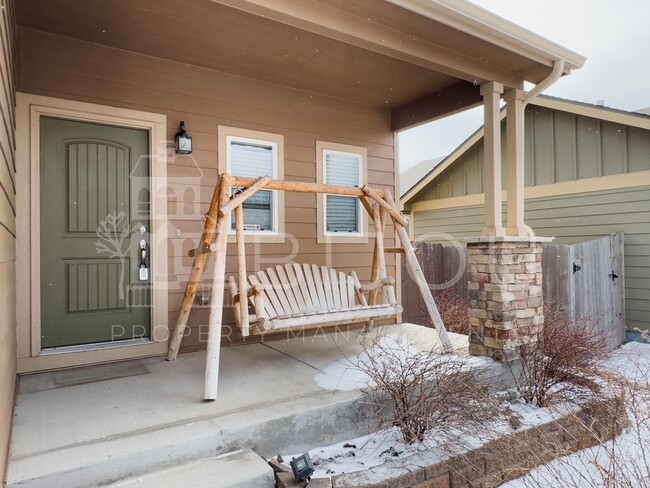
(482,24)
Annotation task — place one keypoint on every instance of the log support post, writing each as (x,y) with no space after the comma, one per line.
(241,270)
(216,298)
(195,274)
(414,268)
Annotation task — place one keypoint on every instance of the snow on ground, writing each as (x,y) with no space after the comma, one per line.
(347,374)
(578,470)
(587,468)
(377,448)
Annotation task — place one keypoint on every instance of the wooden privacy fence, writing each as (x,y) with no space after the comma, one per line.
(445,269)
(585,279)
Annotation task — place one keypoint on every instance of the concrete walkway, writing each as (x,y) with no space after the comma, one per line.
(100,424)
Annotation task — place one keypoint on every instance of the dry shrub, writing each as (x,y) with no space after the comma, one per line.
(421,391)
(453,311)
(622,462)
(559,363)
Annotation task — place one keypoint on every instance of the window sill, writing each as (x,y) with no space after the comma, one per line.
(271,238)
(342,238)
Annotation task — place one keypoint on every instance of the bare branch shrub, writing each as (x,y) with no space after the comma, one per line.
(560,362)
(453,311)
(619,462)
(419,391)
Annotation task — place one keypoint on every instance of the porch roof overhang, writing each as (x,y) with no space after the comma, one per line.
(422,59)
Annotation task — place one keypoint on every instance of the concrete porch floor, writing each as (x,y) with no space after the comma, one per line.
(95,425)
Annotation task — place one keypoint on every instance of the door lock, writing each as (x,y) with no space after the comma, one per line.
(144,271)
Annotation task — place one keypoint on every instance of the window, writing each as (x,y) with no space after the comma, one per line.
(252,154)
(252,159)
(341,218)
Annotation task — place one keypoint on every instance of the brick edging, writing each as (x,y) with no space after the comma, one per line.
(495,462)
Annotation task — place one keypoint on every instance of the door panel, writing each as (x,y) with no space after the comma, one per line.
(93,178)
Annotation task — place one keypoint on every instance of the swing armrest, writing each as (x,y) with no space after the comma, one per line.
(380,283)
(254,290)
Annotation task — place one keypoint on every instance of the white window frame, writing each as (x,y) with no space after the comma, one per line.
(325,236)
(227,135)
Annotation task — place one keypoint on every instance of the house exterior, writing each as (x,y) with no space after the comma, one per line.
(587,175)
(98,212)
(411,176)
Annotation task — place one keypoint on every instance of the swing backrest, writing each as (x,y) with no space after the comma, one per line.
(294,289)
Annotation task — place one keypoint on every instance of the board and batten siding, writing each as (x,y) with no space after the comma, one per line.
(559,147)
(570,219)
(7,228)
(66,68)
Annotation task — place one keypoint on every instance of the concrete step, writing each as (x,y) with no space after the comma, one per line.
(237,469)
(294,426)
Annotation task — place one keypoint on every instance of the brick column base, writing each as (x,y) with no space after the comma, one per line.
(505,296)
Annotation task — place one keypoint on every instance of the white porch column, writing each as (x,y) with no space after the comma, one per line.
(491,93)
(515,156)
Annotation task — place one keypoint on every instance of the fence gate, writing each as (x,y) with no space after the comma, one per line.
(587,280)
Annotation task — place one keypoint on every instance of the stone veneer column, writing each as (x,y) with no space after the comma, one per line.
(505,296)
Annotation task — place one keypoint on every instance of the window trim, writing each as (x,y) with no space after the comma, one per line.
(226,135)
(325,237)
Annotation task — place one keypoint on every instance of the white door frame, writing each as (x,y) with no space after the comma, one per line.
(29,109)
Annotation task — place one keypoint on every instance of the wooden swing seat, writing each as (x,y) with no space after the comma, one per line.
(307,296)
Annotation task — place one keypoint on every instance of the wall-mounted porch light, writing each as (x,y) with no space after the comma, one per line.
(182,142)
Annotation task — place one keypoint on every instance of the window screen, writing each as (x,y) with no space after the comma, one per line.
(252,160)
(341,212)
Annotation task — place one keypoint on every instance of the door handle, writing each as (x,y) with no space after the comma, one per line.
(144,271)
(143,253)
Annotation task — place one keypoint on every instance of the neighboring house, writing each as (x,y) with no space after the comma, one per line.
(587,174)
(411,176)
(312,91)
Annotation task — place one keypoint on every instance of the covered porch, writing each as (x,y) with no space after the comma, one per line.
(99,424)
(346,74)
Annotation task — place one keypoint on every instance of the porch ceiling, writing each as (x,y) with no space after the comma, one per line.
(371,52)
(219,37)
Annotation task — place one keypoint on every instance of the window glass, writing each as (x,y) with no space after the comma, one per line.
(341,212)
(252,159)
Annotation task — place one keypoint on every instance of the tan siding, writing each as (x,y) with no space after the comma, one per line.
(559,146)
(7,231)
(66,68)
(571,219)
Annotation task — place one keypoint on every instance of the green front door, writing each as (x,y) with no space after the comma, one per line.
(94,223)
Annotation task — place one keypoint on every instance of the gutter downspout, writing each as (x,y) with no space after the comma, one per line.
(558,69)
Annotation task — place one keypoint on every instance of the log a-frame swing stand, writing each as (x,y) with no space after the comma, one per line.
(325,296)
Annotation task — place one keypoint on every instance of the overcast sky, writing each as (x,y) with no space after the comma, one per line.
(614,36)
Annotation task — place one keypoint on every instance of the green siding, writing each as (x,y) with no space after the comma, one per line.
(573,218)
(559,146)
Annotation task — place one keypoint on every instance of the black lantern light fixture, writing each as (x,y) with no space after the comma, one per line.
(302,467)
(182,142)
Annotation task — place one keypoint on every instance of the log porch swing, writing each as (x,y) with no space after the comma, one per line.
(292,295)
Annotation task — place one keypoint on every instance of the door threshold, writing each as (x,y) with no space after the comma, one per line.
(99,346)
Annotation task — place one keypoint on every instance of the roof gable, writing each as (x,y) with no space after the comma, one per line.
(572,108)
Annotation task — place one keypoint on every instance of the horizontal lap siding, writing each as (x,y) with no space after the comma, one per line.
(7,230)
(571,219)
(66,68)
